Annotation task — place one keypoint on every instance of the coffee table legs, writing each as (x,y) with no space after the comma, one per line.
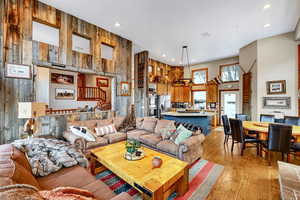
(183,183)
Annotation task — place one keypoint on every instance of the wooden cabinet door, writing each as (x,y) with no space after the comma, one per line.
(212,93)
(180,94)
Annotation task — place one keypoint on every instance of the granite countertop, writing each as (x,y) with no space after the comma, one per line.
(177,114)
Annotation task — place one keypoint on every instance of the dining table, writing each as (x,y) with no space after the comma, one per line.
(262,129)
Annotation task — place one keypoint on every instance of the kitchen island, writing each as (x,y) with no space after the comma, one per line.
(200,119)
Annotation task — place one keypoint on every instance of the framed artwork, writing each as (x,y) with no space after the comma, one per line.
(62,79)
(18,71)
(64,94)
(276,87)
(277,102)
(102,82)
(125,89)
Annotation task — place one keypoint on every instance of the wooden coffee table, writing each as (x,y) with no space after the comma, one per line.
(155,184)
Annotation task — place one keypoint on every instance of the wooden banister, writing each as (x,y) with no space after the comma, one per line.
(91,94)
(60,111)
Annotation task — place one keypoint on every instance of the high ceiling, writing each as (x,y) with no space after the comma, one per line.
(212,29)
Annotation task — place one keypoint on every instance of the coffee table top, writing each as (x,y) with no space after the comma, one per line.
(140,171)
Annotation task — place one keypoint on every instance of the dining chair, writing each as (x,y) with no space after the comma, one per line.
(242,117)
(279,140)
(238,136)
(292,120)
(267,118)
(226,127)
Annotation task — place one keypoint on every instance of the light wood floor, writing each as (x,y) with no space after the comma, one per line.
(244,177)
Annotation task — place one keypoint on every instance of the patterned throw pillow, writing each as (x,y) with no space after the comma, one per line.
(83,132)
(183,134)
(168,131)
(105,130)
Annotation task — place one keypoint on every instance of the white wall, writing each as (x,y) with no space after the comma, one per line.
(248,62)
(42,85)
(277,59)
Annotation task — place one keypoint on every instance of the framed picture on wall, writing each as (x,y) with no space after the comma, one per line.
(102,82)
(18,71)
(277,102)
(125,89)
(65,79)
(276,87)
(64,94)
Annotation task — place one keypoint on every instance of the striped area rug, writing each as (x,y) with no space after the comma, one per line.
(203,175)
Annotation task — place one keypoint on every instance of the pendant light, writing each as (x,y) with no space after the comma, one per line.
(185,61)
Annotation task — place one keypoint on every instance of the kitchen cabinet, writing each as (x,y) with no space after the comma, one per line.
(181,94)
(212,92)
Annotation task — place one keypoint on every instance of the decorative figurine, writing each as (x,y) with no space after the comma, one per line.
(156,162)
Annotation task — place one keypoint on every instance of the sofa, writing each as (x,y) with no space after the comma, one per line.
(15,169)
(148,132)
(85,145)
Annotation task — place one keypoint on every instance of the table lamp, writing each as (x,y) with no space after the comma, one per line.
(30,111)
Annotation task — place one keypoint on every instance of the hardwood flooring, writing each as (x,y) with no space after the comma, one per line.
(244,177)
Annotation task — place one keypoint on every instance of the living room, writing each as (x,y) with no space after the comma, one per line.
(113,100)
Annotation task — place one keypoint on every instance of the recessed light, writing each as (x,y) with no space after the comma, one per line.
(267,25)
(164,55)
(267,6)
(117,24)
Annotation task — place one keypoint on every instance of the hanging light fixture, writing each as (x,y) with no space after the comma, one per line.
(185,61)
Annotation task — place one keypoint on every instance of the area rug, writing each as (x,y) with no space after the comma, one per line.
(203,175)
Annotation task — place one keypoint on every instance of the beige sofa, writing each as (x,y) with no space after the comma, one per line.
(100,141)
(148,133)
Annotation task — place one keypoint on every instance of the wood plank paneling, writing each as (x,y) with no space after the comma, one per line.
(16,46)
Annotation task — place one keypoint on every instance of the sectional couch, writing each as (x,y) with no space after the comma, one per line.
(148,132)
(15,169)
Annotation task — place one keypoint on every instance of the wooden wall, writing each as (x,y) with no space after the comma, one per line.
(141,62)
(16,46)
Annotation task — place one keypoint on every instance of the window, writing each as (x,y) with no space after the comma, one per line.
(230,73)
(81,44)
(199,98)
(107,52)
(44,33)
(200,76)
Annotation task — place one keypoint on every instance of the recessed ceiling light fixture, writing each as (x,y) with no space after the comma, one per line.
(164,55)
(267,6)
(117,24)
(267,25)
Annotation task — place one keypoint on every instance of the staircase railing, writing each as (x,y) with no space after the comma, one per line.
(91,94)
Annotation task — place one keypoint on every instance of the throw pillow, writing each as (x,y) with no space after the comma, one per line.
(105,130)
(83,132)
(183,134)
(139,123)
(168,131)
(149,124)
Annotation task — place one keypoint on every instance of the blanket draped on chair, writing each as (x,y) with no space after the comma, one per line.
(47,156)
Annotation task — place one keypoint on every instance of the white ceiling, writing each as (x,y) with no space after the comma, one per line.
(213,29)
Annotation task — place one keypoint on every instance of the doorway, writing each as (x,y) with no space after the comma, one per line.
(229,103)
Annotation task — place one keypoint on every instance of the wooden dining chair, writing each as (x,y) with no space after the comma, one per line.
(238,136)
(226,127)
(279,140)
(267,118)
